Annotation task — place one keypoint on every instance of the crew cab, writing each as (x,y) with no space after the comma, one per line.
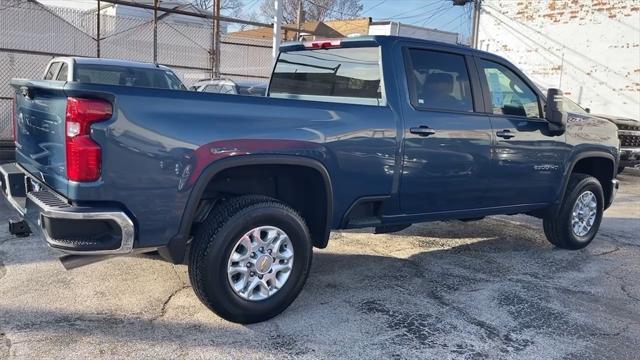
(373,132)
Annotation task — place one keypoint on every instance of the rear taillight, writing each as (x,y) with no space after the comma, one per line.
(83,154)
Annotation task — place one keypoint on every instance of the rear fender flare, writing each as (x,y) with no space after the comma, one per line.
(176,248)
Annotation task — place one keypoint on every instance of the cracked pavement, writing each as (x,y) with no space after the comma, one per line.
(494,288)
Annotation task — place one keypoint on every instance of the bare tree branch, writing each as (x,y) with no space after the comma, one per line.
(228,7)
(315,10)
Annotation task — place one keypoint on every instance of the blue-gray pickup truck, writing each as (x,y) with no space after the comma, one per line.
(370,132)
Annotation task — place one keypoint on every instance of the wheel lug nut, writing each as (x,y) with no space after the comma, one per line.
(262,249)
(253,255)
(260,276)
(269,251)
(248,265)
(252,274)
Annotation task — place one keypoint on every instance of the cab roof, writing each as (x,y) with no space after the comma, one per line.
(388,41)
(110,62)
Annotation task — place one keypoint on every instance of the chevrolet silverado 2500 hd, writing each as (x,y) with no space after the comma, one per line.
(377,132)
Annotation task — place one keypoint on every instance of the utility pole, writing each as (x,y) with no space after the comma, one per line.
(277,29)
(216,39)
(155,32)
(300,20)
(477,4)
(98,31)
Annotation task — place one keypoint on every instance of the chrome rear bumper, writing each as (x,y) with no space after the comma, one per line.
(65,227)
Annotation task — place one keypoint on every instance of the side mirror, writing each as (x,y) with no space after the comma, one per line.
(588,110)
(555,114)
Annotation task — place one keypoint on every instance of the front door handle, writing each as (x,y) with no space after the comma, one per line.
(506,134)
(422,130)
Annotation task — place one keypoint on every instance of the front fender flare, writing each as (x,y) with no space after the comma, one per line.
(572,164)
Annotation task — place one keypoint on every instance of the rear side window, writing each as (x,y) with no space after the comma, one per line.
(62,74)
(338,74)
(53,69)
(438,81)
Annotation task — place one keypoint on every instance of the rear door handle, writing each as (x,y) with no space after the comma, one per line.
(506,134)
(422,130)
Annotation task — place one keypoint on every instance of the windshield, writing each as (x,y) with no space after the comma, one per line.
(128,76)
(570,106)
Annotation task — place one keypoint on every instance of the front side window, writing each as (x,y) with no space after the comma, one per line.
(337,74)
(438,81)
(510,95)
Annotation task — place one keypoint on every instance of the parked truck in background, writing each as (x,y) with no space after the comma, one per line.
(628,133)
(378,132)
(112,72)
(103,71)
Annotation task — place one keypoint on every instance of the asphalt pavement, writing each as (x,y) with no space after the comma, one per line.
(493,288)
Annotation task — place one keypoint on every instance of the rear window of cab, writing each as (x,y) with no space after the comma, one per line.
(349,75)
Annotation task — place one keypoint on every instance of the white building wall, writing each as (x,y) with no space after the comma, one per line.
(590,49)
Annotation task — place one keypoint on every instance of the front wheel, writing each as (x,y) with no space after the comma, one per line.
(250,258)
(577,222)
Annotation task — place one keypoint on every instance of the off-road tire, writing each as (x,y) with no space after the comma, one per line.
(557,226)
(214,240)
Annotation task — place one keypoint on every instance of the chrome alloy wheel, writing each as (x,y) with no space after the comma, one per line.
(584,213)
(260,263)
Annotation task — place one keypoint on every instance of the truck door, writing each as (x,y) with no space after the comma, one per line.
(527,159)
(447,145)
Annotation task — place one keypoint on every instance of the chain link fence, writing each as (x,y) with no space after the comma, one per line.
(31,34)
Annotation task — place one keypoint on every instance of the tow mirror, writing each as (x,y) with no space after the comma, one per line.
(555,114)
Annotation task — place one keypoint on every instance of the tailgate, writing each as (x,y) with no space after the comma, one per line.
(40,130)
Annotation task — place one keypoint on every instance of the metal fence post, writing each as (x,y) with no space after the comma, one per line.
(155,32)
(216,39)
(98,31)
(277,29)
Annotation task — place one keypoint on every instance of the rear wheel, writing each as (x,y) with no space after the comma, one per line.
(250,259)
(577,222)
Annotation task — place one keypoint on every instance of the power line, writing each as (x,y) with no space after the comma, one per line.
(439,11)
(396,16)
(451,21)
(375,6)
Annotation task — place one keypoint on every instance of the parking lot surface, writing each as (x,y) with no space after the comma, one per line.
(493,288)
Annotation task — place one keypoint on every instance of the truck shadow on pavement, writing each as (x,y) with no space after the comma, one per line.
(499,296)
